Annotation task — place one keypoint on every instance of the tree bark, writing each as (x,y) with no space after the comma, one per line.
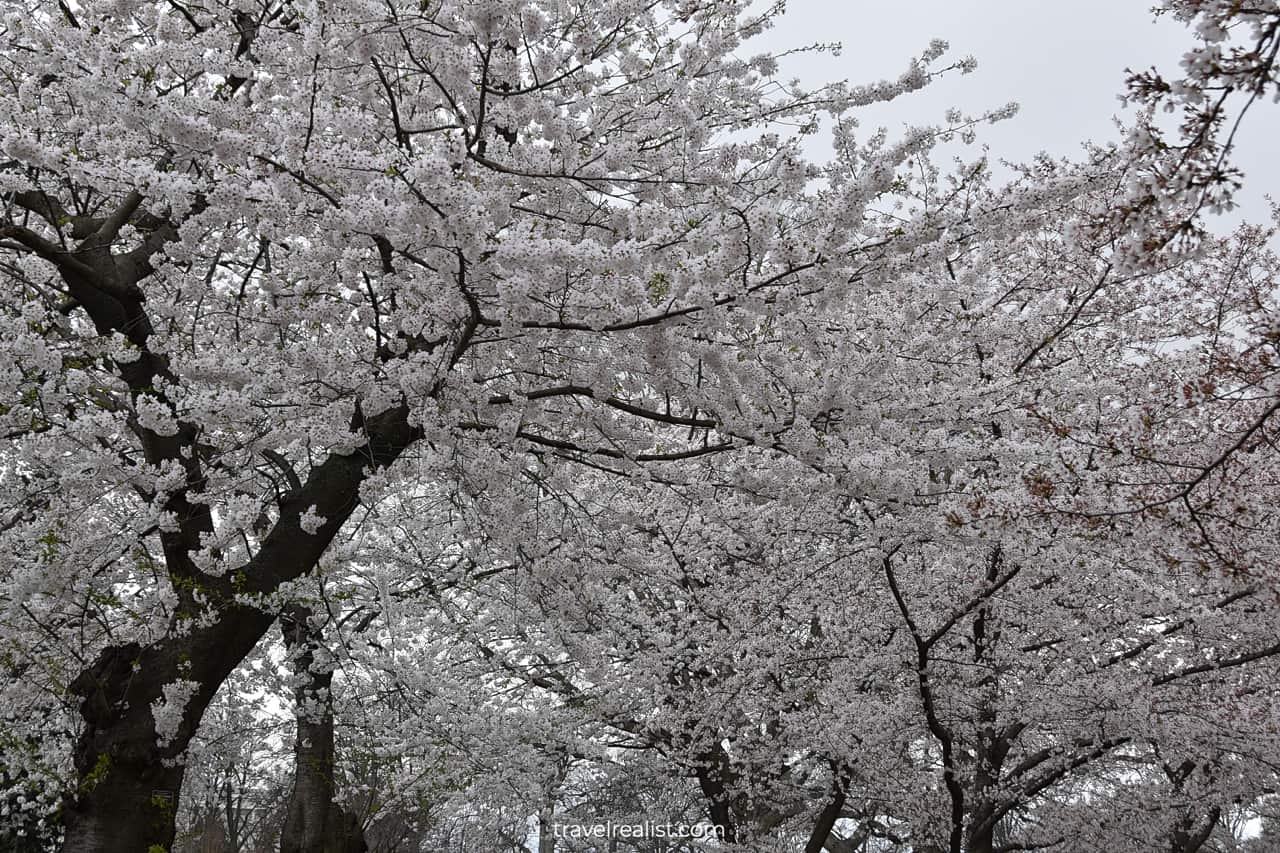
(827,817)
(546,832)
(129,781)
(128,784)
(314,822)
(712,772)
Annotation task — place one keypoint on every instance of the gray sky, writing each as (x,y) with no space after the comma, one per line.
(1063,62)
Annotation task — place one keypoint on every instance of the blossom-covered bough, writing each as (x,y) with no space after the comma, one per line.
(1189,171)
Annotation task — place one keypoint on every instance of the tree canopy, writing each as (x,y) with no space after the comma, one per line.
(450,424)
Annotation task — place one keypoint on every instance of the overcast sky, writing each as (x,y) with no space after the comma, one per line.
(1063,62)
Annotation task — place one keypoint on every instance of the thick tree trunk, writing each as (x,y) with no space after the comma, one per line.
(129,781)
(314,823)
(981,833)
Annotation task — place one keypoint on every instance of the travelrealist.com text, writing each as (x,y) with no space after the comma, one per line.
(644,829)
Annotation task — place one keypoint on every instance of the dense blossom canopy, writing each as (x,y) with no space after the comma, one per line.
(480,415)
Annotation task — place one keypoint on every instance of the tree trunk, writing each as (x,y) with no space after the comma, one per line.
(129,781)
(314,823)
(830,812)
(546,832)
(981,832)
(713,771)
(1189,835)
